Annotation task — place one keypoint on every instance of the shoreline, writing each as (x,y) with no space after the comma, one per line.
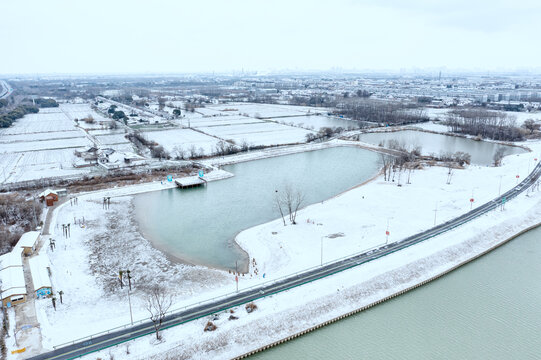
(389,297)
(440,267)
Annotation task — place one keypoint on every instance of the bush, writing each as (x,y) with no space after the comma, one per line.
(250,307)
(46,103)
(117,115)
(210,326)
(159,152)
(7,119)
(89,119)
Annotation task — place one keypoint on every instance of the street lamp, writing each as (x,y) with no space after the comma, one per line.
(129,302)
(472,199)
(387,233)
(435,212)
(321,240)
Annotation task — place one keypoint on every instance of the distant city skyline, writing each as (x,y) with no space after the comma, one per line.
(138,37)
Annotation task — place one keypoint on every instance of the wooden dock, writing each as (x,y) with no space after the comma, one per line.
(190,182)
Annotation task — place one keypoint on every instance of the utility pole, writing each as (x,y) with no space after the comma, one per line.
(435,212)
(387,233)
(321,238)
(34,210)
(237,275)
(129,302)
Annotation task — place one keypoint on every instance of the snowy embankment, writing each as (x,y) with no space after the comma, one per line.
(288,313)
(86,265)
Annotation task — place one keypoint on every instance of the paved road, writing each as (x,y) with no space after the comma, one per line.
(5,90)
(116,337)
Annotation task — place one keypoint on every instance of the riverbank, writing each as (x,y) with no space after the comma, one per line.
(362,221)
(282,316)
(389,297)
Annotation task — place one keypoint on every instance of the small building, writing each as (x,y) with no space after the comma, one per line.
(28,242)
(62,192)
(39,269)
(190,181)
(13,286)
(11,259)
(49,196)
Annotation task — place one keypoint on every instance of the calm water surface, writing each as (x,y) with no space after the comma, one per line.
(481,152)
(198,225)
(488,309)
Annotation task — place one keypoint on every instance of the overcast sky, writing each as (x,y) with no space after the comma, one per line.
(135,36)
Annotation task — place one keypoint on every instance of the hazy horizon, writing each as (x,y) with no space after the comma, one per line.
(135,37)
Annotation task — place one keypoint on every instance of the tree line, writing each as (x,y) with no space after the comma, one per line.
(383,112)
(9,118)
(46,103)
(484,123)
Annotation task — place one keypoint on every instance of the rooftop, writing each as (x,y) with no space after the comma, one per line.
(40,274)
(12,258)
(28,239)
(12,281)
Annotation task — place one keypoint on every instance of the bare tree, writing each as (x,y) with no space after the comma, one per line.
(290,200)
(278,204)
(449,174)
(192,151)
(158,303)
(386,162)
(179,152)
(531,125)
(498,156)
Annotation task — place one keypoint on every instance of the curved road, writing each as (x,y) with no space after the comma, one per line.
(100,342)
(6,89)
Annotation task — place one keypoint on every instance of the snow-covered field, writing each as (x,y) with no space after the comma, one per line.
(27,146)
(266,133)
(221,121)
(42,145)
(261,110)
(33,165)
(112,139)
(315,122)
(85,266)
(81,111)
(44,121)
(184,138)
(66,134)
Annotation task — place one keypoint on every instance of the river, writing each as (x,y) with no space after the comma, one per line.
(487,309)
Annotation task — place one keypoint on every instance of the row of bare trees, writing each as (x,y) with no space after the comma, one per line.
(383,112)
(484,123)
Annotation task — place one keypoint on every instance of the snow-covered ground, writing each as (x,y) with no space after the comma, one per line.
(81,111)
(42,145)
(267,133)
(33,165)
(261,110)
(220,121)
(85,266)
(282,315)
(47,120)
(183,138)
